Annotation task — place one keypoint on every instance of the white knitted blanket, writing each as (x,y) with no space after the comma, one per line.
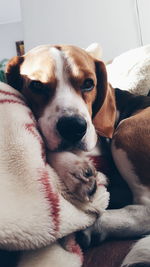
(33,211)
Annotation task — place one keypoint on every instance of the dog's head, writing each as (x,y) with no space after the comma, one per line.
(66,88)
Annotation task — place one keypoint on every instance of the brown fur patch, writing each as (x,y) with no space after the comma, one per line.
(13,72)
(39,65)
(38,101)
(80,66)
(133,135)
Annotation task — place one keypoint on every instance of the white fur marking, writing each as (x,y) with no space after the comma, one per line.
(140,253)
(141,193)
(56,54)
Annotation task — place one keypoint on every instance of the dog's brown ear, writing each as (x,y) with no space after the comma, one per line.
(13,72)
(104,107)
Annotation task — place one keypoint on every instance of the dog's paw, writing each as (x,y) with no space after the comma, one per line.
(92,236)
(77,173)
(79,178)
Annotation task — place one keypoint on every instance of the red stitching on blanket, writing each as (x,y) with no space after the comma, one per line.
(11,101)
(73,247)
(32,117)
(44,179)
(11,94)
(52,197)
(31,127)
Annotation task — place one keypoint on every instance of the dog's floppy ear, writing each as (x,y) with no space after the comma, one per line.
(13,72)
(104,107)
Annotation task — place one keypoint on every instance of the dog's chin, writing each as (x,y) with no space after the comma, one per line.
(63,146)
(87,143)
(66,146)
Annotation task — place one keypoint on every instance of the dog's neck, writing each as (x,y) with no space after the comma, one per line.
(128,104)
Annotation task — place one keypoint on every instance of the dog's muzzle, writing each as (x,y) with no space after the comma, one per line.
(72,128)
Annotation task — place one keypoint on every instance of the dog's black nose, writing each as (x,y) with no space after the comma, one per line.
(72,128)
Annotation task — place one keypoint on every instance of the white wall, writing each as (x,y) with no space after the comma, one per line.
(112,23)
(9,34)
(11,29)
(10,11)
(144,14)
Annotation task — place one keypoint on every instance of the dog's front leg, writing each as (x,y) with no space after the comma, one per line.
(83,185)
(130,221)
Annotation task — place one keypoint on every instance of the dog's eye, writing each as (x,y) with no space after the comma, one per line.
(87,85)
(36,87)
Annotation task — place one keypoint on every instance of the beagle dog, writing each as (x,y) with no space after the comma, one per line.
(68,92)
(130,147)
(65,88)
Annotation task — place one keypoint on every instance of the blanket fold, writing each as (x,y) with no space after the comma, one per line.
(33,211)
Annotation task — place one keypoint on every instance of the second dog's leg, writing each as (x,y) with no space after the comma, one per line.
(131,221)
